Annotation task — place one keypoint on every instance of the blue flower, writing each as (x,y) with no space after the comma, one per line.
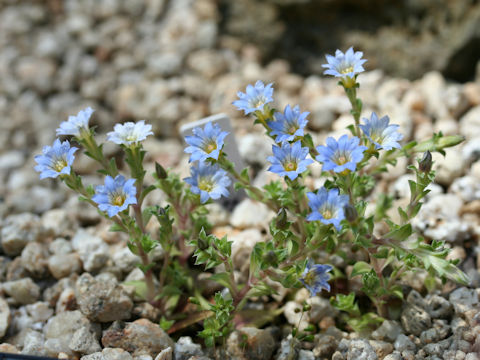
(129,133)
(76,124)
(209,181)
(344,65)
(315,277)
(115,195)
(327,206)
(380,133)
(289,124)
(205,143)
(56,160)
(341,155)
(289,160)
(255,97)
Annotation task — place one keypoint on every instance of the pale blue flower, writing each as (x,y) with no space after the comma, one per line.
(288,125)
(209,181)
(129,133)
(315,277)
(341,155)
(56,160)
(327,206)
(205,143)
(76,124)
(380,133)
(289,160)
(255,97)
(116,195)
(344,65)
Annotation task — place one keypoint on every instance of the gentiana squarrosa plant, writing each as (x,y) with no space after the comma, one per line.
(311,226)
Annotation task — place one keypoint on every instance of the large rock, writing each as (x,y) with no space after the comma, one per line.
(102,301)
(141,337)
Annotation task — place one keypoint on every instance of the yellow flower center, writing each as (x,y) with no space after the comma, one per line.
(131,137)
(118,199)
(210,147)
(327,214)
(59,164)
(346,70)
(205,184)
(259,103)
(309,277)
(290,166)
(292,130)
(342,160)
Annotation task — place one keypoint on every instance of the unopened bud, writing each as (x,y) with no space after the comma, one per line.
(161,211)
(202,244)
(281,222)
(350,213)
(307,307)
(270,258)
(425,164)
(161,172)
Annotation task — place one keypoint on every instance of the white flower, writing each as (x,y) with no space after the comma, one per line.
(129,133)
(76,124)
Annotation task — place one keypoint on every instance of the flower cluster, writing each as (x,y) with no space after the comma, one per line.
(315,218)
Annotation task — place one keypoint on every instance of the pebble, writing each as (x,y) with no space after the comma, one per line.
(102,301)
(251,344)
(464,300)
(381,348)
(403,342)
(5,317)
(388,331)
(470,123)
(84,341)
(438,307)
(251,214)
(63,265)
(140,337)
(242,246)
(185,349)
(18,230)
(361,349)
(93,251)
(33,344)
(415,320)
(34,259)
(23,291)
(60,329)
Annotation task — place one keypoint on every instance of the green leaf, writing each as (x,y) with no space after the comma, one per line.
(140,287)
(166,324)
(360,268)
(400,234)
(222,278)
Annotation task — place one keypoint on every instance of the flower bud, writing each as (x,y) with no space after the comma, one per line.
(281,222)
(350,213)
(270,258)
(203,244)
(161,172)
(425,164)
